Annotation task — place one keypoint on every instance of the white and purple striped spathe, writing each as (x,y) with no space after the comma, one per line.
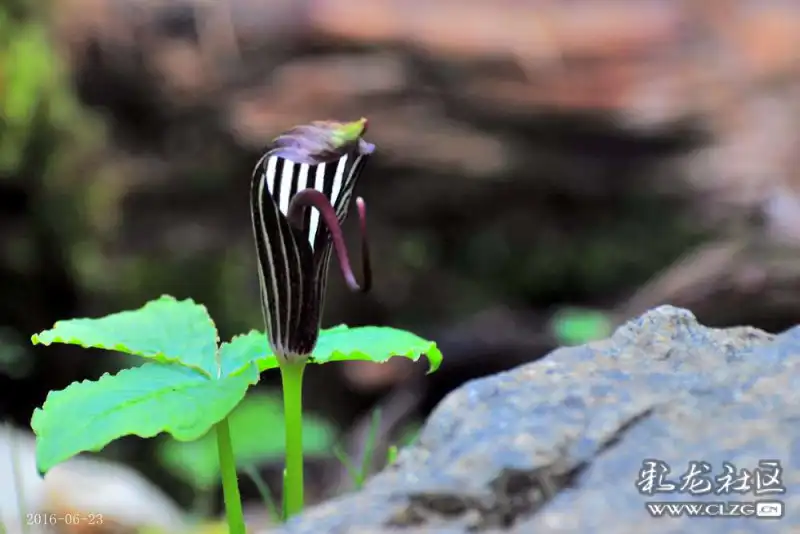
(293,260)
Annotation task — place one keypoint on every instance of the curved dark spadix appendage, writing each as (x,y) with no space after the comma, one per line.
(312,198)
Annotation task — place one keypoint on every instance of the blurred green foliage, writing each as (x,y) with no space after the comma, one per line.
(27,73)
(258,436)
(13,360)
(32,81)
(574,326)
(51,152)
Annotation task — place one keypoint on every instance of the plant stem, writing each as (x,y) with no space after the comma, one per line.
(230,484)
(292,381)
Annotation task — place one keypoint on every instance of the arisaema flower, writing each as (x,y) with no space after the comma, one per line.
(300,195)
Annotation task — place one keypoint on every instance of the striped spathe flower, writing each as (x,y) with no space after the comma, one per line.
(300,194)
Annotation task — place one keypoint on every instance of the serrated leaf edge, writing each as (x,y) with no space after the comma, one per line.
(412,354)
(245,334)
(254,361)
(156,358)
(121,347)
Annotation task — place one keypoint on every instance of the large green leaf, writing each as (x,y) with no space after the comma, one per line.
(375,344)
(143,401)
(365,343)
(166,330)
(257,433)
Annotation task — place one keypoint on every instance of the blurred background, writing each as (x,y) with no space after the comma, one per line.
(546,170)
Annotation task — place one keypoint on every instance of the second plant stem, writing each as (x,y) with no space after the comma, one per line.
(230,483)
(292,382)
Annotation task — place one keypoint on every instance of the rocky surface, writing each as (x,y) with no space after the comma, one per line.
(557,445)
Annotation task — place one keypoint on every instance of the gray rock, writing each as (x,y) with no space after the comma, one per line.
(558,445)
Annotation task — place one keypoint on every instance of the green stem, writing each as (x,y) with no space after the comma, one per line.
(292,380)
(230,484)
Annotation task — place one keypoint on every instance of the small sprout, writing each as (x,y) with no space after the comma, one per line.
(391,455)
(358,475)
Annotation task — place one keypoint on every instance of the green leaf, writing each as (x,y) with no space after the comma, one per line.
(374,344)
(257,433)
(142,401)
(165,330)
(245,349)
(341,343)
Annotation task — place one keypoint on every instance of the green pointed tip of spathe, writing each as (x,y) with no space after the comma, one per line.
(349,132)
